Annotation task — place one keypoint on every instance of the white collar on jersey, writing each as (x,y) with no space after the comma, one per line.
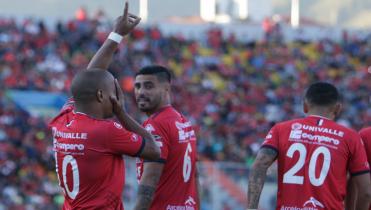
(313,115)
(79,113)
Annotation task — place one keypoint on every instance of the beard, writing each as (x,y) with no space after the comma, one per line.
(147,105)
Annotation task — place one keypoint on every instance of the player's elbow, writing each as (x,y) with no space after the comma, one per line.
(156,153)
(151,152)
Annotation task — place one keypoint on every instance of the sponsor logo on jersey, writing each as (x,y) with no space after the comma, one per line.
(188,205)
(68,135)
(149,128)
(269,135)
(67,147)
(298,134)
(314,202)
(117,125)
(299,126)
(185,131)
(134,137)
(311,204)
(296,126)
(70,123)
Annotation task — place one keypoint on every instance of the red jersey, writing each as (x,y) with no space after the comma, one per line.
(89,161)
(175,136)
(314,156)
(366,137)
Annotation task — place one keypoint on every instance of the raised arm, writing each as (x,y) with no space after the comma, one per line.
(264,159)
(124,25)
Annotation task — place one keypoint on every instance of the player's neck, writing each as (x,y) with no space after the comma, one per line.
(321,113)
(158,109)
(90,110)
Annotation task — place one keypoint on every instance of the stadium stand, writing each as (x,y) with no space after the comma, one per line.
(234,91)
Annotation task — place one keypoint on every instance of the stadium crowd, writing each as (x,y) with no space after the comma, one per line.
(233,92)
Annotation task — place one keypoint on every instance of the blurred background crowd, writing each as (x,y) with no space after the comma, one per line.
(232,91)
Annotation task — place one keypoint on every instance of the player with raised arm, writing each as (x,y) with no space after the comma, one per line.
(314,155)
(88,146)
(171,181)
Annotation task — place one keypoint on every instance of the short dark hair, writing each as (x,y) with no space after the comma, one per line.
(322,94)
(162,73)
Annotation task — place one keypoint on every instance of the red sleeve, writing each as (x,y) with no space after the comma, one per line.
(271,140)
(358,162)
(162,139)
(123,142)
(366,137)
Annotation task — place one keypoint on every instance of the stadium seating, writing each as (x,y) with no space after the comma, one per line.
(233,92)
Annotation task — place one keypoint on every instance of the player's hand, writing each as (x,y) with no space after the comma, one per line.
(118,102)
(126,22)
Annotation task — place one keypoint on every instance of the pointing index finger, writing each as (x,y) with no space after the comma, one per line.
(126,9)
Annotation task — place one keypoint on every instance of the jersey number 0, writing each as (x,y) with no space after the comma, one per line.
(68,159)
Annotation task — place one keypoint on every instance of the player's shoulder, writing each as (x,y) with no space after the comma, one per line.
(63,116)
(365,131)
(347,131)
(168,115)
(290,123)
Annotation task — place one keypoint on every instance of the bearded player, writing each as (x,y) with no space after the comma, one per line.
(170,182)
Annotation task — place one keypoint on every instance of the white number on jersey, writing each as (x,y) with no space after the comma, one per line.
(290,177)
(68,159)
(187,164)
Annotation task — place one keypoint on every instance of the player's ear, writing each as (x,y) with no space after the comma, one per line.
(337,109)
(167,86)
(99,95)
(305,107)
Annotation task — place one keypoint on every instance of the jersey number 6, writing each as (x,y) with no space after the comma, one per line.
(187,164)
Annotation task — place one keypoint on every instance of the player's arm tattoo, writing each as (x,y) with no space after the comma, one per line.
(145,196)
(148,184)
(263,161)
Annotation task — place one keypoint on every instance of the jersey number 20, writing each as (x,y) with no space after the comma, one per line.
(290,177)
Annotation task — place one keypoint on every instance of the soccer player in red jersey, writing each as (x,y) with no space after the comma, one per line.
(366,137)
(314,155)
(352,198)
(88,146)
(170,182)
